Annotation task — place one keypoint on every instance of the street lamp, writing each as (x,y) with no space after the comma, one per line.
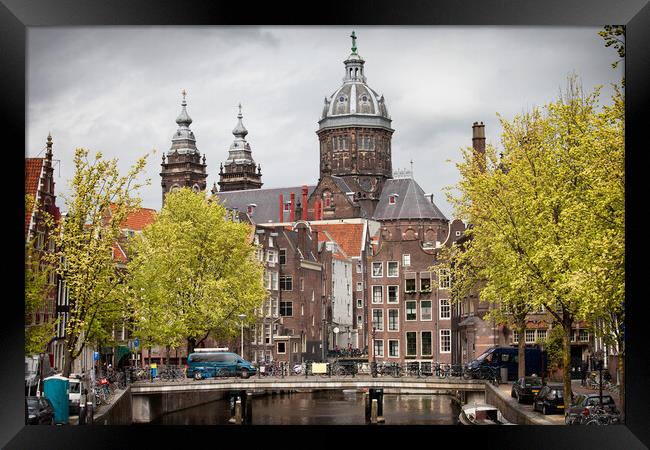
(241,317)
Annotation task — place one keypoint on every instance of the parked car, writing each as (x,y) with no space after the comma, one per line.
(209,364)
(498,357)
(526,388)
(39,411)
(583,404)
(550,399)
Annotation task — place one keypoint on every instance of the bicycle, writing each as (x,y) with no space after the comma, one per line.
(599,416)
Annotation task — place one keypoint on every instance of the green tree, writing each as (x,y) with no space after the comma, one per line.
(614,35)
(192,273)
(545,211)
(99,202)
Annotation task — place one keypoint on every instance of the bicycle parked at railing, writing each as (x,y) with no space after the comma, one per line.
(598,415)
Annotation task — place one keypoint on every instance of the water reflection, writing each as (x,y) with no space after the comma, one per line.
(323,408)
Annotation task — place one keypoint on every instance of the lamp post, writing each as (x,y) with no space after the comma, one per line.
(241,317)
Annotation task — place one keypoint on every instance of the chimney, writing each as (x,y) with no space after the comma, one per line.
(304,202)
(478,142)
(317,209)
(292,212)
(302,238)
(281,208)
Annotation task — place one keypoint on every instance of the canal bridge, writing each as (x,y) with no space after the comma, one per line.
(153,399)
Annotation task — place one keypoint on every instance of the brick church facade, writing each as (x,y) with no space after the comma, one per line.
(369,238)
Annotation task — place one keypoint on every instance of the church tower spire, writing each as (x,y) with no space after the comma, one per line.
(183,167)
(239,171)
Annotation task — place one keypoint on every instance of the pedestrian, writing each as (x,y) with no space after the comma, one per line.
(584,367)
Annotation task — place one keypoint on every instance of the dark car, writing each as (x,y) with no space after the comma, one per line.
(526,388)
(583,404)
(39,411)
(550,399)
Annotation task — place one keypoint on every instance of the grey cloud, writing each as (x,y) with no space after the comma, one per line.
(117,89)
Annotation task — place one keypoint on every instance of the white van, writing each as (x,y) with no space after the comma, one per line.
(74,394)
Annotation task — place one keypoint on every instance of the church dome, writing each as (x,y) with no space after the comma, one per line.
(354,103)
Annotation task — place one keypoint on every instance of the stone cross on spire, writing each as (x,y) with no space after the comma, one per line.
(354,42)
(183,93)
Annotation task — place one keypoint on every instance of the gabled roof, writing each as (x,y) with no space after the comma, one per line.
(410,202)
(139,219)
(267,202)
(348,236)
(33,172)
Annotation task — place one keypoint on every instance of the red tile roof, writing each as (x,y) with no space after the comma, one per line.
(348,236)
(139,219)
(33,169)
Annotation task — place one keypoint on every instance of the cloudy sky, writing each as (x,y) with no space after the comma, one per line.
(118,90)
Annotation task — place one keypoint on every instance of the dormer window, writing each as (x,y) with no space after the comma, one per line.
(287,206)
(392,198)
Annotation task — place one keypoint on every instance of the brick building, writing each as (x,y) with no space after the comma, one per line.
(39,185)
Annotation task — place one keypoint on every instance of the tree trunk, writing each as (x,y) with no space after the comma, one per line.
(621,369)
(566,362)
(67,361)
(191,343)
(521,329)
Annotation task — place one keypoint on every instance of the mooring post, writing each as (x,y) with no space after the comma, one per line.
(231,403)
(248,417)
(367,405)
(380,406)
(373,411)
(238,411)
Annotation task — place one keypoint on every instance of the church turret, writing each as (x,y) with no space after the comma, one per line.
(183,166)
(239,171)
(355,135)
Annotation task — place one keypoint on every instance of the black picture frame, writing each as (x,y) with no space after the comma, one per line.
(16,15)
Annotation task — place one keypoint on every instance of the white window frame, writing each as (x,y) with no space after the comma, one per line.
(406,343)
(397,321)
(541,334)
(359,322)
(359,302)
(275,283)
(290,277)
(359,266)
(422,343)
(406,313)
(527,336)
(379,264)
(388,264)
(515,337)
(580,335)
(444,307)
(379,323)
(372,293)
(393,340)
(381,348)
(422,319)
(359,286)
(285,256)
(425,276)
(388,301)
(444,279)
(444,334)
(406,260)
(277,348)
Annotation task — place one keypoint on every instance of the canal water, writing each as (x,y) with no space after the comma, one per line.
(323,408)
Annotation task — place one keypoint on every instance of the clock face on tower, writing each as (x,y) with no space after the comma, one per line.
(367,183)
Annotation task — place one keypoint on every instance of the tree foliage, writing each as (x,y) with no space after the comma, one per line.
(614,35)
(548,214)
(99,202)
(192,273)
